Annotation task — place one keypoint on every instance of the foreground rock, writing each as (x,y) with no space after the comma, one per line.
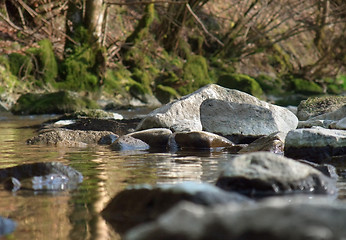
(184,114)
(263,174)
(69,138)
(247,119)
(315,144)
(142,203)
(315,106)
(198,140)
(53,176)
(274,219)
(6,226)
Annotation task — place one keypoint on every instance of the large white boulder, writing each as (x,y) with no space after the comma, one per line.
(184,113)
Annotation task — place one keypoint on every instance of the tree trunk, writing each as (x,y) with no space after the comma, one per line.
(94,19)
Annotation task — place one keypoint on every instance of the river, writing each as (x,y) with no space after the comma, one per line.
(76,214)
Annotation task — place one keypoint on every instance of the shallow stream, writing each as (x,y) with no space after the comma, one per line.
(75,214)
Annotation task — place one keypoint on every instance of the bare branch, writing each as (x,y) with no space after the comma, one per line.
(203,27)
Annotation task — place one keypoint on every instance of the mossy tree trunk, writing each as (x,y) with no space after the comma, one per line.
(84,25)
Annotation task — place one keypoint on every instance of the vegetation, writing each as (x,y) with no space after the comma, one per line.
(140,49)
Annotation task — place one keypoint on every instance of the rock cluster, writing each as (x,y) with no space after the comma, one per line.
(274,159)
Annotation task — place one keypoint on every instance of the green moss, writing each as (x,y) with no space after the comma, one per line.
(165,94)
(47,63)
(143,78)
(337,85)
(8,82)
(270,84)
(78,70)
(142,28)
(90,113)
(305,86)
(58,102)
(195,74)
(241,82)
(280,60)
(20,65)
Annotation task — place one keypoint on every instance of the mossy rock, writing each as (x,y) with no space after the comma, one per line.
(241,82)
(90,113)
(270,84)
(299,85)
(337,85)
(315,106)
(49,103)
(195,74)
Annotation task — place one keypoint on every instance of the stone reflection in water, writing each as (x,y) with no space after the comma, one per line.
(174,170)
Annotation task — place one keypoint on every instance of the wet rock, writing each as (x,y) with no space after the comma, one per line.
(315,144)
(274,143)
(155,137)
(141,203)
(7,226)
(198,140)
(315,106)
(48,103)
(70,138)
(53,176)
(263,174)
(273,219)
(184,114)
(128,143)
(108,139)
(232,118)
(119,127)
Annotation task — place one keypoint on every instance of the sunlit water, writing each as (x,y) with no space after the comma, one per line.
(76,214)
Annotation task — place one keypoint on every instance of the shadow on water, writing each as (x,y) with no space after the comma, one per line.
(76,214)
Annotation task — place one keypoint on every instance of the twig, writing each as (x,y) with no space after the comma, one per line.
(145,2)
(203,27)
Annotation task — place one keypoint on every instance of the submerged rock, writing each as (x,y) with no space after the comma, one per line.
(315,144)
(6,226)
(141,203)
(232,118)
(274,219)
(198,140)
(263,174)
(184,114)
(52,176)
(70,138)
